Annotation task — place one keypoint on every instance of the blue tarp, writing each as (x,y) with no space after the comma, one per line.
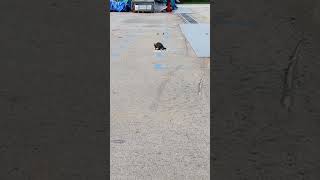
(120,6)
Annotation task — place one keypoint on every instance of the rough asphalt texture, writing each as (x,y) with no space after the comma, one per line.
(265,122)
(159,101)
(53,91)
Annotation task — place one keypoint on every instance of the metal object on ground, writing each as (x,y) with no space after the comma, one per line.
(143,5)
(188,19)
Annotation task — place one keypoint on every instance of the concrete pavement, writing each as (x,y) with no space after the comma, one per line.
(159,101)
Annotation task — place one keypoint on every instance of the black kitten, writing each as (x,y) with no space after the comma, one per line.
(159,46)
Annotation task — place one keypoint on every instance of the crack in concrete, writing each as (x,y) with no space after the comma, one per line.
(200,85)
(290,72)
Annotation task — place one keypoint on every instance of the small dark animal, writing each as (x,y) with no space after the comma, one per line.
(159,46)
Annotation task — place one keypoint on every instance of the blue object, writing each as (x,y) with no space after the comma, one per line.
(173,4)
(159,66)
(120,6)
